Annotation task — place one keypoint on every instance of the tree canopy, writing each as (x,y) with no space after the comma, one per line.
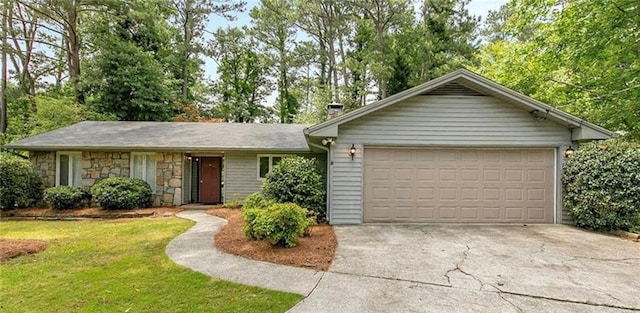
(145,60)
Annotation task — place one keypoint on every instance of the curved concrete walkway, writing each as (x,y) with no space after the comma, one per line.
(195,249)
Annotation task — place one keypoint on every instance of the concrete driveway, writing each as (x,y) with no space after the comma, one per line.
(468,268)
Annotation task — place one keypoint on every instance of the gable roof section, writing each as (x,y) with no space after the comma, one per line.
(582,130)
(169,136)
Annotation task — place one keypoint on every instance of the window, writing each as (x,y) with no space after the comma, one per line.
(68,169)
(266,163)
(143,166)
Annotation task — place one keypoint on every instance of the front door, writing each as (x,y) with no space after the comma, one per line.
(210,171)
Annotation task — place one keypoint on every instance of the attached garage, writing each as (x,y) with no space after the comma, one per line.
(458,185)
(458,149)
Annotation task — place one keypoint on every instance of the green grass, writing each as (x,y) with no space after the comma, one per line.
(117,266)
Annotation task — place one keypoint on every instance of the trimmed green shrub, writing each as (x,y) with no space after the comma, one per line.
(601,183)
(250,215)
(297,180)
(256,201)
(65,197)
(280,224)
(86,196)
(20,185)
(122,193)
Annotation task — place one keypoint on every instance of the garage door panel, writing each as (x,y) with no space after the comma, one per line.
(535,194)
(534,213)
(492,213)
(404,194)
(469,193)
(448,174)
(491,174)
(404,175)
(458,185)
(425,156)
(403,155)
(425,194)
(423,213)
(470,213)
(469,174)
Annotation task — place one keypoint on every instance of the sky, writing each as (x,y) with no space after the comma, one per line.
(476,7)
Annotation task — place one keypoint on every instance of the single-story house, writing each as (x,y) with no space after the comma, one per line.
(460,148)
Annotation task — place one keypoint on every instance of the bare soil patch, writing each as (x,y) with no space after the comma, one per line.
(94,212)
(315,251)
(11,248)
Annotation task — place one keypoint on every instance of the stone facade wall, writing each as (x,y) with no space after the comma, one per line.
(168,178)
(99,165)
(45,165)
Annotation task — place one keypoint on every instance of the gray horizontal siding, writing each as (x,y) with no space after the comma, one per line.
(241,172)
(431,121)
(453,121)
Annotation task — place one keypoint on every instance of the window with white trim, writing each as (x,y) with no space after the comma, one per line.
(266,163)
(68,169)
(143,166)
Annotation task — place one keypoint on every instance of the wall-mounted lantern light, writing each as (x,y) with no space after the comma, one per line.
(567,153)
(352,151)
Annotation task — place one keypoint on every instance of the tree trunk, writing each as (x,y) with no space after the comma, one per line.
(3,97)
(186,52)
(74,50)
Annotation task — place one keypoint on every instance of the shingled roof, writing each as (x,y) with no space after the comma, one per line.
(168,136)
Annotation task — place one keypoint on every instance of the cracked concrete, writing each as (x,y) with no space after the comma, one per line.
(469,268)
(447,268)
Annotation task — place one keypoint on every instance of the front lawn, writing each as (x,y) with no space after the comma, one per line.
(117,266)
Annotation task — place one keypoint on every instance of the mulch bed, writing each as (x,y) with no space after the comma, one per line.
(96,212)
(315,251)
(11,248)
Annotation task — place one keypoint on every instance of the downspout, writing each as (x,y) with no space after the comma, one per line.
(328,179)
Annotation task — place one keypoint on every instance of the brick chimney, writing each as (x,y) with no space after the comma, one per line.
(335,109)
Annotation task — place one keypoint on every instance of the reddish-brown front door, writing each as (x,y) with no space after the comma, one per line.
(210,180)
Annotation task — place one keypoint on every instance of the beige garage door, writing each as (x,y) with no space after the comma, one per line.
(459,185)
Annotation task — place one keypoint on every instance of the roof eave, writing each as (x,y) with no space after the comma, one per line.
(153,149)
(330,128)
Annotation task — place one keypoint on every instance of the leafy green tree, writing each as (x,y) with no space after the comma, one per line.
(274,28)
(399,80)
(581,56)
(127,76)
(383,17)
(242,84)
(189,18)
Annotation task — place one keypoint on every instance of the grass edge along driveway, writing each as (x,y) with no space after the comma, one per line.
(117,266)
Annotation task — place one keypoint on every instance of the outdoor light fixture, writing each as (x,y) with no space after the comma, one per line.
(352,151)
(567,153)
(328,141)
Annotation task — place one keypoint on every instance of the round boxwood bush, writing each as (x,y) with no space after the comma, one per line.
(122,193)
(297,180)
(601,184)
(64,197)
(281,224)
(20,185)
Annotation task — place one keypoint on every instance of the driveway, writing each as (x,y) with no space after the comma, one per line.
(468,268)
